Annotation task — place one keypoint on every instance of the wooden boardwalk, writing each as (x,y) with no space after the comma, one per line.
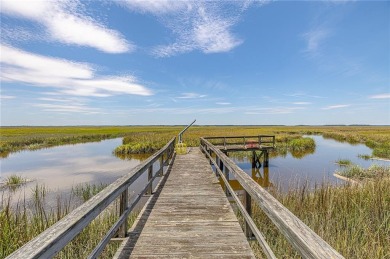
(188,217)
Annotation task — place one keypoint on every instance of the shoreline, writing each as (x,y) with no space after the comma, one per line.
(354,182)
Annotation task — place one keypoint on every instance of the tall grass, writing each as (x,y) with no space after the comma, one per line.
(21,222)
(355,220)
(87,191)
(358,173)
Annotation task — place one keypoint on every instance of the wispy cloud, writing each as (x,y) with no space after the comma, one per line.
(249,110)
(197,25)
(339,106)
(274,110)
(68,108)
(157,7)
(380,96)
(223,103)
(303,95)
(191,96)
(19,33)
(314,39)
(64,22)
(4,97)
(65,76)
(301,103)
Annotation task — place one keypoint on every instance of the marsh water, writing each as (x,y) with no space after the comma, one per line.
(61,168)
(315,167)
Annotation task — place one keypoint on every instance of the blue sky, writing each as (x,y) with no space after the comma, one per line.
(70,62)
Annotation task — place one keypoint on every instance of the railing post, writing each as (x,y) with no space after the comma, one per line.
(122,208)
(220,164)
(210,153)
(248,208)
(226,172)
(266,158)
(150,175)
(161,173)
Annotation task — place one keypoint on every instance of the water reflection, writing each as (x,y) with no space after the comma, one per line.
(259,175)
(315,166)
(61,168)
(140,157)
(299,154)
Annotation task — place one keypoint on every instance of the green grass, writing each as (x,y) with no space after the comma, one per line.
(14,180)
(355,220)
(343,162)
(22,222)
(358,173)
(86,191)
(365,157)
(139,139)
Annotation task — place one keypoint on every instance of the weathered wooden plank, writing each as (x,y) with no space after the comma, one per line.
(191,218)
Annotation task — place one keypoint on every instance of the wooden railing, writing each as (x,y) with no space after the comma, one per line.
(263,141)
(52,240)
(300,236)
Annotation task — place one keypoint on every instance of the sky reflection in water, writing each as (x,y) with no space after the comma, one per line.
(61,168)
(316,167)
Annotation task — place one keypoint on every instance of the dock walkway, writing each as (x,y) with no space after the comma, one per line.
(188,217)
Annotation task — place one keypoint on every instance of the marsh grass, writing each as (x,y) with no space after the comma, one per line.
(87,190)
(147,139)
(343,162)
(355,220)
(22,222)
(358,173)
(365,157)
(14,180)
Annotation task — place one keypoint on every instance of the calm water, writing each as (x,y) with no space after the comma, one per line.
(61,168)
(316,167)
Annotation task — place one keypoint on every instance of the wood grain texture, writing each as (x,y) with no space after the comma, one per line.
(190,218)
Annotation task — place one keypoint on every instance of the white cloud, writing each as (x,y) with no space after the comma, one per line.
(380,96)
(18,33)
(66,76)
(191,96)
(336,106)
(3,97)
(314,39)
(65,23)
(197,25)
(273,110)
(68,108)
(303,95)
(301,103)
(223,103)
(157,7)
(212,33)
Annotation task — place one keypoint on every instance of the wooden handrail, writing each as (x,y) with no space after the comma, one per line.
(300,236)
(52,240)
(259,236)
(265,141)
